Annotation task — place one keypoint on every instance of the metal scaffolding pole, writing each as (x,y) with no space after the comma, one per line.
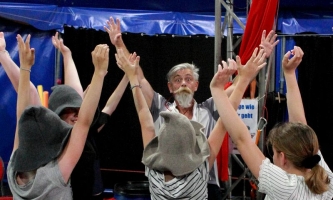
(219,30)
(230,29)
(228,22)
(229,54)
(218,35)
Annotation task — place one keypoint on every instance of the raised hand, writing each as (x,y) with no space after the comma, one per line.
(222,76)
(114,32)
(27,54)
(128,65)
(2,42)
(132,58)
(100,58)
(256,62)
(59,44)
(290,64)
(268,43)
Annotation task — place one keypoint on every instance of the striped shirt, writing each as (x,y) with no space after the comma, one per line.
(191,186)
(277,184)
(204,113)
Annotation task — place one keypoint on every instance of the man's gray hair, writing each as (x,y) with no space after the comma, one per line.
(178,67)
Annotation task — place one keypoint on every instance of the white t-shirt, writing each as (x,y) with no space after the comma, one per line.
(277,184)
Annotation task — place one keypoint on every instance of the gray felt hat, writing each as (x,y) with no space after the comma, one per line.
(42,137)
(180,146)
(64,96)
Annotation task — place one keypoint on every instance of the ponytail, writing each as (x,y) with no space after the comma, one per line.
(318,180)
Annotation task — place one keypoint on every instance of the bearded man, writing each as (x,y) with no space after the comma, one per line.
(183,82)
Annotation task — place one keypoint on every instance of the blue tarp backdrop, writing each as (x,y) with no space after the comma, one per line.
(44,65)
(50,17)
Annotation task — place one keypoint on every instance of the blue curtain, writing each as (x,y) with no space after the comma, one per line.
(42,74)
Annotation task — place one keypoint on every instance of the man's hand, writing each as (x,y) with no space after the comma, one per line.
(27,54)
(114,32)
(268,43)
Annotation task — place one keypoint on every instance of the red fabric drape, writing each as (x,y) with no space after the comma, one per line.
(261,17)
(222,158)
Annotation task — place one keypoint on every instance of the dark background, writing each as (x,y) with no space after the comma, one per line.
(120,142)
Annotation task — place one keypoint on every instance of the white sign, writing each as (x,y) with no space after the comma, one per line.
(248,112)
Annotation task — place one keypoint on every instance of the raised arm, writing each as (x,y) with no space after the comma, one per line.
(70,72)
(246,73)
(145,118)
(294,99)
(226,108)
(114,98)
(114,32)
(268,43)
(13,72)
(217,135)
(77,139)
(147,89)
(27,59)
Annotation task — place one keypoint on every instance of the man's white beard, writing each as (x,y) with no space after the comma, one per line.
(184,98)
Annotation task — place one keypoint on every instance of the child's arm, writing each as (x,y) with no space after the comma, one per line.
(226,108)
(216,137)
(145,118)
(70,72)
(294,99)
(114,32)
(114,99)
(268,42)
(74,147)
(27,59)
(13,72)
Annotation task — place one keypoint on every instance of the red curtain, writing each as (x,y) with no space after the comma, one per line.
(261,17)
